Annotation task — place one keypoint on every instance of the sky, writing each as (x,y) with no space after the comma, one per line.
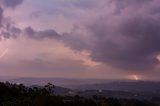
(108,39)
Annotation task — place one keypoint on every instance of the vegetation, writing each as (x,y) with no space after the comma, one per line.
(19,95)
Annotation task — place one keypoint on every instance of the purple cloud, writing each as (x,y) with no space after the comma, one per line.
(1,16)
(50,33)
(7,29)
(126,36)
(128,39)
(11,3)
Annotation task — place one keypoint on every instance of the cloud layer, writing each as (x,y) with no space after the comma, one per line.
(123,34)
(127,36)
(11,3)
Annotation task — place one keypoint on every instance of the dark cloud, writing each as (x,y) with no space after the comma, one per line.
(125,40)
(10,32)
(122,4)
(1,16)
(50,33)
(128,40)
(7,30)
(11,3)
(75,41)
(84,4)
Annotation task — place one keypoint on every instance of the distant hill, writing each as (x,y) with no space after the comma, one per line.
(93,84)
(65,82)
(20,95)
(134,86)
(57,90)
(102,88)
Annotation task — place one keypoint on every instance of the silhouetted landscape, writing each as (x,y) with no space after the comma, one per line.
(33,92)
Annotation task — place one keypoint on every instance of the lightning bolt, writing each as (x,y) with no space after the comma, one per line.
(136,77)
(3,53)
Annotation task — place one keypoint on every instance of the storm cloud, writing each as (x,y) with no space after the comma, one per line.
(128,37)
(11,3)
(7,29)
(124,34)
(50,33)
(1,16)
(125,37)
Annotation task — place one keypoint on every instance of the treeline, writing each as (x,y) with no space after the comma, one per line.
(20,95)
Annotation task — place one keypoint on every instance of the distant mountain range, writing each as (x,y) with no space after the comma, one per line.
(137,86)
(99,87)
(92,84)
(56,81)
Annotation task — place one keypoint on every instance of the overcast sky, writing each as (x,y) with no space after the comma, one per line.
(116,39)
